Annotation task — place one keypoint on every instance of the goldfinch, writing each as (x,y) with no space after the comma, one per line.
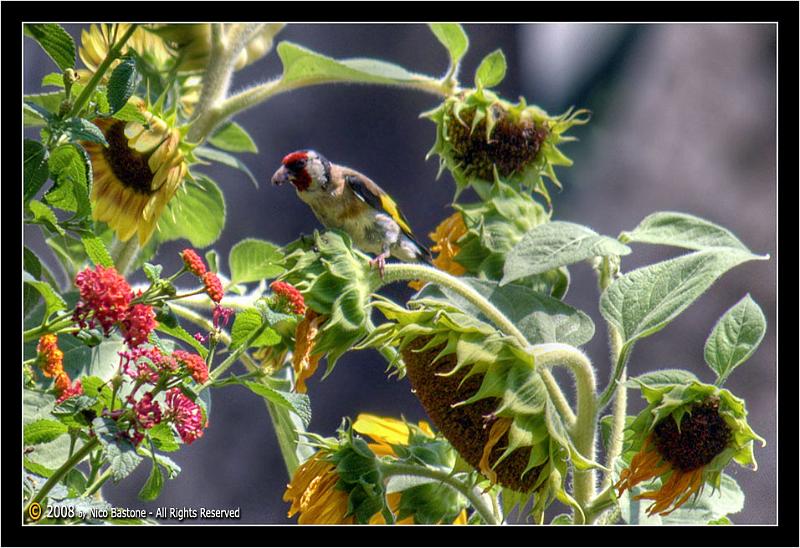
(344,199)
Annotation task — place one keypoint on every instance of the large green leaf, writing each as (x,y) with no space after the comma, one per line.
(643,301)
(245,324)
(40,107)
(55,41)
(233,138)
(299,404)
(71,170)
(97,252)
(79,129)
(541,318)
(154,484)
(554,244)
(735,337)
(117,451)
(682,230)
(253,260)
(196,213)
(452,37)
(42,431)
(121,84)
(52,300)
(303,65)
(35,171)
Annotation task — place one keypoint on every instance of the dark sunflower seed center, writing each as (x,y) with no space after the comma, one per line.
(702,435)
(129,166)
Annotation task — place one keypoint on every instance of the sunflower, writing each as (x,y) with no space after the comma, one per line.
(96,42)
(318,491)
(684,438)
(136,175)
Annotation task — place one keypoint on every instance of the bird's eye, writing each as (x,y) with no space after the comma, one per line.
(296,165)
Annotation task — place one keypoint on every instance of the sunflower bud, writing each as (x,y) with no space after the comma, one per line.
(481,137)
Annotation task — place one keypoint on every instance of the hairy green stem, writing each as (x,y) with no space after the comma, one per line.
(113,52)
(405,271)
(124,254)
(62,471)
(620,410)
(477,502)
(584,430)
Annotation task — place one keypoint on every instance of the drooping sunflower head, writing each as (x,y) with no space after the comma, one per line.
(137,174)
(481,137)
(683,439)
(484,393)
(344,481)
(336,282)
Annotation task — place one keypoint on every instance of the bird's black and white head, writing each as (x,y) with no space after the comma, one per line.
(307,170)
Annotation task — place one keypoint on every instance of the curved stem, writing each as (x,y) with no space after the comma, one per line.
(584,430)
(477,502)
(97,483)
(620,411)
(405,271)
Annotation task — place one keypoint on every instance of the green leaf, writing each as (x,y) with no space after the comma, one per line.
(45,458)
(117,451)
(152,272)
(452,37)
(55,41)
(303,65)
(43,215)
(101,361)
(299,404)
(42,431)
(71,170)
(97,252)
(180,333)
(682,230)
(78,129)
(735,337)
(163,437)
(154,484)
(246,322)
(491,71)
(53,79)
(196,213)
(38,109)
(35,171)
(554,244)
(52,300)
(252,260)
(645,300)
(541,318)
(664,377)
(225,159)
(121,84)
(130,113)
(233,138)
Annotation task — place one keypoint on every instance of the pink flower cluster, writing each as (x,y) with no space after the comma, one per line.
(186,415)
(194,364)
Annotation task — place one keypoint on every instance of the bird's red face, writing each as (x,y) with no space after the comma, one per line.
(293,170)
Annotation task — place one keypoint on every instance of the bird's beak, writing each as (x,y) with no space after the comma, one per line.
(281,176)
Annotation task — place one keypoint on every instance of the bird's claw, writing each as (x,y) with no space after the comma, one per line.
(380,261)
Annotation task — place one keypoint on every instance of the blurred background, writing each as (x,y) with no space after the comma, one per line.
(684,119)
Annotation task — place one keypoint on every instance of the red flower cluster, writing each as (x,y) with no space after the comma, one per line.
(187,415)
(66,388)
(195,364)
(288,295)
(213,286)
(193,262)
(105,298)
